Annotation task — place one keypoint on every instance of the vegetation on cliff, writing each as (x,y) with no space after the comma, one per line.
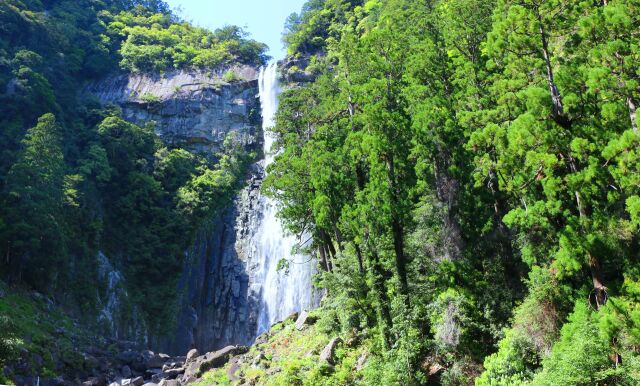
(76,178)
(468,172)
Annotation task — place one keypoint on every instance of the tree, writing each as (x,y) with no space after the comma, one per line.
(35,242)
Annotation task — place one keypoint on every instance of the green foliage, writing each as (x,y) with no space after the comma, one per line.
(33,204)
(446,152)
(8,342)
(230,76)
(87,181)
(159,42)
(581,355)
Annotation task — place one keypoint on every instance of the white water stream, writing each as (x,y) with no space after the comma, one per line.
(285,291)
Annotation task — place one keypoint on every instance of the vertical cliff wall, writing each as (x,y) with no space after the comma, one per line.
(196,111)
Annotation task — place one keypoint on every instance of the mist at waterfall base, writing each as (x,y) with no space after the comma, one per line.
(285,291)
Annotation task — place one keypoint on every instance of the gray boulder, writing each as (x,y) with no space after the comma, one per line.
(213,360)
(305,320)
(328,353)
(169,382)
(137,381)
(192,355)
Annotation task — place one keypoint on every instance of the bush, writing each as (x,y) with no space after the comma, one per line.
(8,341)
(231,76)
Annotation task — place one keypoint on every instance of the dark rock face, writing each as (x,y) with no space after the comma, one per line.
(218,307)
(197,110)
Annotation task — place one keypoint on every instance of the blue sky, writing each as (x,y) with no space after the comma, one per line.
(264,19)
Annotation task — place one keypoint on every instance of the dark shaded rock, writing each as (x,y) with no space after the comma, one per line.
(156,361)
(328,353)
(125,371)
(151,372)
(291,318)
(168,374)
(262,339)
(129,357)
(95,381)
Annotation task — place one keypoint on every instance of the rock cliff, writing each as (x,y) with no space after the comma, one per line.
(196,111)
(190,109)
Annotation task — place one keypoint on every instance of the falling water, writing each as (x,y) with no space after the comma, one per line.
(284,291)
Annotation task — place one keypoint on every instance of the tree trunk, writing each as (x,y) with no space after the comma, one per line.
(558,107)
(360,259)
(447,192)
(380,292)
(323,259)
(632,114)
(594,266)
(397,229)
(596,277)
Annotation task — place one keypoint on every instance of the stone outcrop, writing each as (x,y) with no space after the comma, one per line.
(328,353)
(197,110)
(212,360)
(218,307)
(191,109)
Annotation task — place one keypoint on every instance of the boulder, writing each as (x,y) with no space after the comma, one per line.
(137,381)
(328,353)
(213,360)
(192,355)
(129,357)
(169,382)
(305,320)
(125,371)
(167,374)
(362,361)
(156,361)
(262,339)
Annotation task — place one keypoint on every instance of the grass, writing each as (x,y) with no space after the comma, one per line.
(43,331)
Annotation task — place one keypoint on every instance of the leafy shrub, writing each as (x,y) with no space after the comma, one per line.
(231,76)
(8,341)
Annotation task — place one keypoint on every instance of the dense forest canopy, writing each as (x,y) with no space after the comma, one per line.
(468,170)
(75,178)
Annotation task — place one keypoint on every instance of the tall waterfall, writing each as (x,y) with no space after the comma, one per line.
(284,291)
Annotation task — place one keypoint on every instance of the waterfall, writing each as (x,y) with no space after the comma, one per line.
(281,292)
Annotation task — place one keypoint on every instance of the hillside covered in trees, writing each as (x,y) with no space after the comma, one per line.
(76,178)
(468,170)
(467,173)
